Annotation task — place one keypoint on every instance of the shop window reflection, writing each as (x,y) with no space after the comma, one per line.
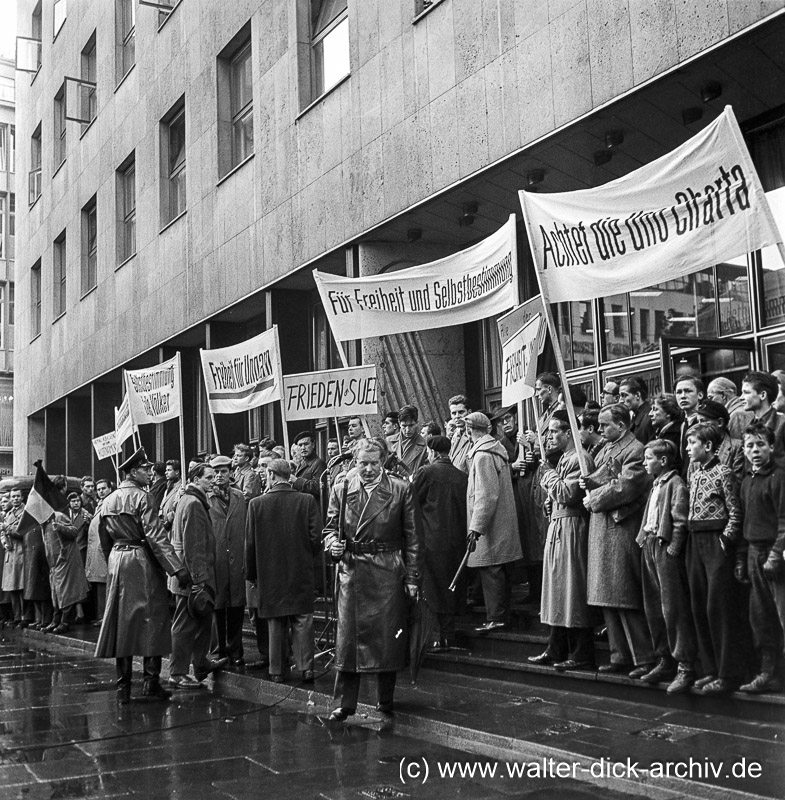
(773,268)
(575,323)
(733,297)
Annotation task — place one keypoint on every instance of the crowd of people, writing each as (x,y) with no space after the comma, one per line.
(661,525)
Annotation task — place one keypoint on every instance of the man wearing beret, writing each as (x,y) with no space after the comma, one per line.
(138,553)
(310,469)
(227,513)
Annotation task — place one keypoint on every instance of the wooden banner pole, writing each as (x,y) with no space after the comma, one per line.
(279,378)
(183,465)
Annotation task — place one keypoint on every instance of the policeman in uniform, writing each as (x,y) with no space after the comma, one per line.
(139,555)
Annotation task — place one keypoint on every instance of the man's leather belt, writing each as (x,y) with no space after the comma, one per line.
(127,545)
(371,547)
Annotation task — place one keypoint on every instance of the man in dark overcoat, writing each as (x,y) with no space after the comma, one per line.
(374,538)
(282,537)
(194,543)
(227,514)
(440,489)
(138,554)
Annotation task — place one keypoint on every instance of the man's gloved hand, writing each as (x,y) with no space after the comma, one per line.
(772,569)
(740,572)
(337,549)
(183,578)
(471,540)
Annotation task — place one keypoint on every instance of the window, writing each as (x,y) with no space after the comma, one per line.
(6,159)
(329,44)
(28,48)
(242,105)
(7,202)
(173,163)
(89,246)
(59,276)
(59,128)
(59,13)
(235,102)
(575,324)
(126,210)
(35,166)
(125,36)
(35,299)
(7,93)
(88,105)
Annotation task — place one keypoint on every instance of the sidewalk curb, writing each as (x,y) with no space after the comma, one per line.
(482,743)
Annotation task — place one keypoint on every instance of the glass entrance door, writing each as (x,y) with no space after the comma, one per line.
(706,358)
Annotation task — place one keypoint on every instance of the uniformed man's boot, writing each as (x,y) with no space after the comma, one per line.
(124,668)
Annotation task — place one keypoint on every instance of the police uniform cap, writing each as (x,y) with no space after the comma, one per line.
(138,459)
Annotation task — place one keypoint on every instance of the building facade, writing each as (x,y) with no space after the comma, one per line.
(190,163)
(7,259)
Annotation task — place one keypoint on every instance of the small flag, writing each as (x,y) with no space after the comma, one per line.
(44,499)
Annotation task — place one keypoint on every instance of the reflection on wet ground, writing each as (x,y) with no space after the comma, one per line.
(63,736)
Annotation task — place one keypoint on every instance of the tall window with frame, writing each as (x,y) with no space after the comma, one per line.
(3,249)
(28,48)
(59,276)
(60,129)
(35,299)
(125,37)
(173,154)
(235,102)
(89,246)
(126,209)
(35,166)
(329,44)
(89,100)
(241,92)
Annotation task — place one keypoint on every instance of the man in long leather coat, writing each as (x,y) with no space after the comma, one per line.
(138,552)
(373,537)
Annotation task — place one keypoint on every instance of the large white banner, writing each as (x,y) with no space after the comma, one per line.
(519,362)
(331,393)
(243,376)
(123,424)
(474,284)
(697,206)
(154,393)
(106,446)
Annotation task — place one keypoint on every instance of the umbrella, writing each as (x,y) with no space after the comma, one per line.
(423,631)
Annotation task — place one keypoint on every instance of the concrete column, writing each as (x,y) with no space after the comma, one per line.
(36,445)
(423,368)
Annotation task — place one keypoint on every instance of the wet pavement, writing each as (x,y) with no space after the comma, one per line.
(62,735)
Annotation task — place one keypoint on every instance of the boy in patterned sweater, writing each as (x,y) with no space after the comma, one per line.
(714,524)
